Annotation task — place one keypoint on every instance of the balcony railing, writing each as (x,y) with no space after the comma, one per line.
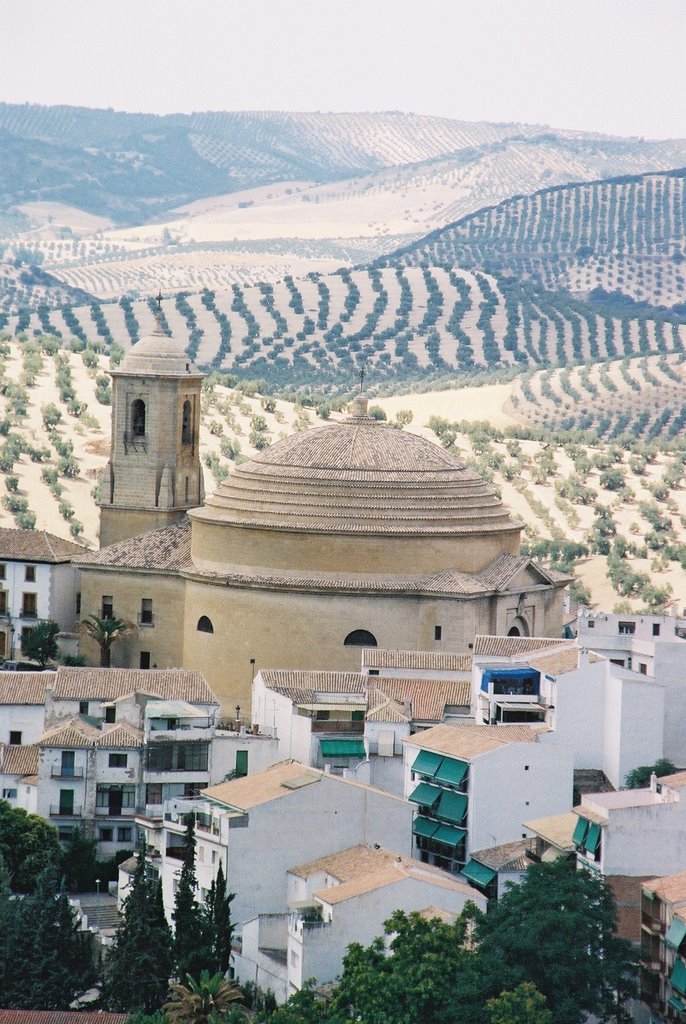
(116,812)
(28,613)
(65,812)
(58,772)
(335,725)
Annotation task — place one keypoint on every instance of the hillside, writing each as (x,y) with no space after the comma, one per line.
(399,324)
(616,513)
(623,235)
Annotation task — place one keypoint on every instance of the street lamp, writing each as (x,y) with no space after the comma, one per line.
(238,718)
(97,906)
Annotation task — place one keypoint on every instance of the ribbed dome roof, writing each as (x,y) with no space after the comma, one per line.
(358,476)
(157,353)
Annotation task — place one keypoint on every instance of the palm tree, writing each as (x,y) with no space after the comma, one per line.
(200,1002)
(105,632)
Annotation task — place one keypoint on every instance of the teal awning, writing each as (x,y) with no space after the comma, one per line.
(424,827)
(342,748)
(425,794)
(452,772)
(676,1004)
(592,837)
(676,934)
(427,763)
(678,978)
(580,830)
(449,835)
(452,807)
(478,873)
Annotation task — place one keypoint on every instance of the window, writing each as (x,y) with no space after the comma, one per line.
(153,793)
(214,856)
(626,628)
(78,604)
(118,760)
(30,574)
(643,669)
(83,707)
(138,418)
(110,715)
(107,607)
(3,602)
(438,632)
(115,797)
(181,757)
(357,716)
(66,801)
(65,832)
(656,629)
(360,638)
(526,767)
(205,625)
(146,612)
(9,794)
(15,738)
(186,426)
(591,623)
(106,835)
(124,834)
(26,632)
(3,571)
(374,672)
(322,716)
(67,769)
(201,854)
(29,605)
(144,660)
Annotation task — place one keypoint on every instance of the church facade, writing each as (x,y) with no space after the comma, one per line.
(348,535)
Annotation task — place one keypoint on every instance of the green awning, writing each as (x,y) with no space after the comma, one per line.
(427,763)
(449,835)
(452,772)
(425,794)
(342,748)
(677,932)
(424,827)
(478,873)
(592,837)
(452,807)
(676,1004)
(580,830)
(678,978)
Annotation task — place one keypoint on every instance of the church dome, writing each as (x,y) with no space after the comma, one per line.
(358,477)
(157,354)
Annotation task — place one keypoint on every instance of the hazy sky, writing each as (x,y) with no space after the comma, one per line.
(607,65)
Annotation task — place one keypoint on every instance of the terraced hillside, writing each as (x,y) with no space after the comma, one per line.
(396,323)
(627,235)
(615,513)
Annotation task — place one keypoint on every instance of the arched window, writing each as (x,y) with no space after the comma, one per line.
(205,625)
(360,638)
(519,627)
(186,433)
(514,632)
(138,418)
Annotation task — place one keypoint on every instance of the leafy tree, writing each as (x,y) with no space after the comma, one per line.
(105,632)
(28,844)
(140,962)
(40,644)
(639,778)
(192,938)
(200,1002)
(80,865)
(523,1005)
(557,930)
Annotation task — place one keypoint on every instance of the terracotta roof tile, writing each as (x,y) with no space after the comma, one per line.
(19,760)
(36,546)
(118,736)
(380,657)
(110,683)
(468,741)
(506,856)
(61,1017)
(428,697)
(262,787)
(557,829)
(510,646)
(72,733)
(24,687)
(166,549)
(672,888)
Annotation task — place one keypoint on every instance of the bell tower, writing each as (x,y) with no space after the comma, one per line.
(154,474)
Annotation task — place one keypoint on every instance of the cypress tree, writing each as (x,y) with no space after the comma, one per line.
(192,938)
(140,961)
(218,913)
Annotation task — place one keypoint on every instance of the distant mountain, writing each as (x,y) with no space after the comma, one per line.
(624,235)
(136,167)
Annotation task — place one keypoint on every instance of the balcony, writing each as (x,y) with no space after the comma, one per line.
(177,852)
(28,613)
(336,726)
(115,812)
(57,772)
(652,924)
(66,812)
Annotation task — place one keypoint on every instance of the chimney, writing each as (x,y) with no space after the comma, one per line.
(653,782)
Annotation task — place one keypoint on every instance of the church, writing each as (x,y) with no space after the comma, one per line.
(345,536)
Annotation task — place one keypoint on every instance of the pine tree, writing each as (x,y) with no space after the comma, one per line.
(218,914)
(192,936)
(140,962)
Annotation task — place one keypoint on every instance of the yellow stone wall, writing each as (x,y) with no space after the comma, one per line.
(121,523)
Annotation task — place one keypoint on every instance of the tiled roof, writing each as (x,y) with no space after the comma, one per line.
(390,874)
(428,697)
(24,687)
(468,741)
(18,760)
(556,662)
(446,916)
(61,1017)
(110,683)
(671,887)
(166,549)
(379,657)
(263,787)
(36,546)
(346,864)
(556,829)
(675,781)
(122,735)
(506,856)
(382,708)
(509,646)
(72,733)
